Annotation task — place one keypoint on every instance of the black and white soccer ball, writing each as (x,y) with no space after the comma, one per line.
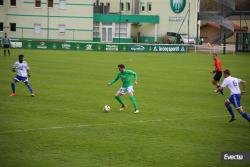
(106,108)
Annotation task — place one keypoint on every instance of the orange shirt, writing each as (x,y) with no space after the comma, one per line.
(217,65)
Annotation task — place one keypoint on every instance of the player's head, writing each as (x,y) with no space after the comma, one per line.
(215,56)
(20,58)
(121,67)
(227,73)
(5,34)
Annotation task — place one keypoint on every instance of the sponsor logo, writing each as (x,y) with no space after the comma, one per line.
(137,48)
(89,47)
(99,47)
(155,49)
(124,48)
(150,48)
(29,45)
(177,6)
(54,46)
(169,49)
(77,46)
(111,48)
(66,46)
(16,44)
(42,45)
(173,18)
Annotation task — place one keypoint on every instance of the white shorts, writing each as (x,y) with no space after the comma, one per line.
(123,91)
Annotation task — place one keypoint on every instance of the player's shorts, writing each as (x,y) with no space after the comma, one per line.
(19,78)
(123,91)
(217,75)
(6,46)
(235,100)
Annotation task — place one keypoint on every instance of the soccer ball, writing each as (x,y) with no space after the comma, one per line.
(106,108)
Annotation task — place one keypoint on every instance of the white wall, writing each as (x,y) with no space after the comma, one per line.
(63,16)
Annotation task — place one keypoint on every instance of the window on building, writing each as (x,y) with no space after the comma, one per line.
(38,3)
(128,6)
(122,6)
(149,6)
(1,2)
(62,4)
(37,27)
(1,26)
(12,2)
(143,7)
(123,33)
(12,26)
(96,32)
(61,28)
(50,3)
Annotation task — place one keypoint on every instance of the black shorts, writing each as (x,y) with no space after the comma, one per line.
(6,46)
(217,75)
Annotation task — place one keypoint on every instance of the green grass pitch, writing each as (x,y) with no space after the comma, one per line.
(182,122)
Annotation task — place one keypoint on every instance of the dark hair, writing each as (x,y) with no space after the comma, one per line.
(227,72)
(215,54)
(21,56)
(121,66)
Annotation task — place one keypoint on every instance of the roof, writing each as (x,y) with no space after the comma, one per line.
(217,26)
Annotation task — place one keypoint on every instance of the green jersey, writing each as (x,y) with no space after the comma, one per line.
(126,78)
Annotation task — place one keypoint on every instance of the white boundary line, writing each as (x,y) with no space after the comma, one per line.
(102,124)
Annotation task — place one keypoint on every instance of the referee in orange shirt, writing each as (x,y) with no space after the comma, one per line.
(217,71)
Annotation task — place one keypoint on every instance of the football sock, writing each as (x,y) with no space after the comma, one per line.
(29,87)
(245,115)
(132,98)
(230,110)
(118,98)
(9,52)
(4,52)
(13,87)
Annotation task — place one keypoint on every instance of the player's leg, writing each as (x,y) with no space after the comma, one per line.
(29,87)
(118,95)
(215,83)
(4,50)
(216,80)
(9,50)
(236,102)
(230,110)
(244,114)
(132,98)
(13,87)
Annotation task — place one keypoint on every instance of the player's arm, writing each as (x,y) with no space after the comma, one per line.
(135,77)
(14,68)
(28,71)
(9,42)
(243,85)
(114,80)
(222,86)
(2,42)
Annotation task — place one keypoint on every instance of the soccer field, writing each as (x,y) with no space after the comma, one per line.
(182,122)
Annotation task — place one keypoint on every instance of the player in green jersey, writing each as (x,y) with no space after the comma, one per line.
(127,86)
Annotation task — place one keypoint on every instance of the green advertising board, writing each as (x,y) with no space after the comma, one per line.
(110,47)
